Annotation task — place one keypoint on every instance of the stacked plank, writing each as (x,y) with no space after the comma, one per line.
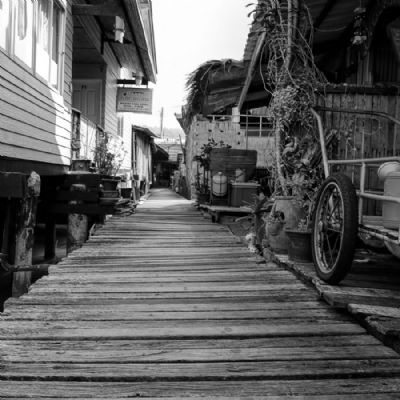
(166,304)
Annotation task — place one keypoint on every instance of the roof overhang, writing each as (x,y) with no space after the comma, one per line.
(142,43)
(144,131)
(136,51)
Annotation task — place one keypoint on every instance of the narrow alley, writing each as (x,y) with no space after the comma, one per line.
(164,303)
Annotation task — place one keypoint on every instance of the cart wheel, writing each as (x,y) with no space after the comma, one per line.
(335,228)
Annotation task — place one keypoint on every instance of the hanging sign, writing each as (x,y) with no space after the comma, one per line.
(135,100)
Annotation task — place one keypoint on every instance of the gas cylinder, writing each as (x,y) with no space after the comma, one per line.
(219,184)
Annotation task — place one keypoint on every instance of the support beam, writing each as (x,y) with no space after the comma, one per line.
(106,9)
(25,221)
(252,66)
(77,225)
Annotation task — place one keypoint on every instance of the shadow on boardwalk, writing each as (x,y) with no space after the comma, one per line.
(166,304)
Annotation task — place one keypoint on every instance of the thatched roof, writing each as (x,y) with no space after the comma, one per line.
(213,75)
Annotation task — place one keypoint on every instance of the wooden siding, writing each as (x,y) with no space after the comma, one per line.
(35,121)
(69,34)
(382,137)
(379,132)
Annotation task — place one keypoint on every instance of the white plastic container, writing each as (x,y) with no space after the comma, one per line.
(386,168)
(390,210)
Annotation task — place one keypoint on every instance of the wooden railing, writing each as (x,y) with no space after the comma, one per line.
(251,125)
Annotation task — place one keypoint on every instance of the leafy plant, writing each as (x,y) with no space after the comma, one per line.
(109,153)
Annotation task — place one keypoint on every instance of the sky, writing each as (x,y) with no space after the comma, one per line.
(188,33)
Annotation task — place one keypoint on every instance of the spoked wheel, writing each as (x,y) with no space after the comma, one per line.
(335,228)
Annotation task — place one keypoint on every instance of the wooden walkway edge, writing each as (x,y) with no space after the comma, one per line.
(165,304)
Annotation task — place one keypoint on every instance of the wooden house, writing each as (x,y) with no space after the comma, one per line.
(355,45)
(211,114)
(61,63)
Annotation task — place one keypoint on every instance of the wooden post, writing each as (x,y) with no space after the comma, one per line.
(25,220)
(77,224)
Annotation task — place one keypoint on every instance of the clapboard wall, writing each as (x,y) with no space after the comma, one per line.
(35,119)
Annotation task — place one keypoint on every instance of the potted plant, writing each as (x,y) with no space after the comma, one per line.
(299,243)
(299,237)
(108,157)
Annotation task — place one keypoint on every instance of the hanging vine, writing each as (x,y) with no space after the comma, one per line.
(294,78)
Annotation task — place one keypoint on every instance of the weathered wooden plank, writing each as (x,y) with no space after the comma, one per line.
(121,287)
(364,309)
(192,253)
(167,306)
(167,298)
(203,262)
(164,276)
(282,348)
(373,396)
(321,389)
(285,389)
(72,269)
(178,329)
(70,314)
(130,298)
(136,372)
(161,244)
(122,352)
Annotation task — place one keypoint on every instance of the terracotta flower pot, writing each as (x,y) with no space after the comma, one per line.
(290,213)
(299,245)
(109,183)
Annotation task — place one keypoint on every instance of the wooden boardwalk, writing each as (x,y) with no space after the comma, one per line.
(166,304)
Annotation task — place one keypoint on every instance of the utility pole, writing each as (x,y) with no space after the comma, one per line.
(162,123)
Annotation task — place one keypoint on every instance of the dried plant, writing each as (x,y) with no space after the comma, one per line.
(292,81)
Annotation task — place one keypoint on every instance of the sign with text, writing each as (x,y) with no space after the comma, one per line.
(135,100)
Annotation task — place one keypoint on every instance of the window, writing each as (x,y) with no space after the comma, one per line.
(23,36)
(32,32)
(42,39)
(4,22)
(55,45)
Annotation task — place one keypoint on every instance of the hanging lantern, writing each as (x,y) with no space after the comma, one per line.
(360,33)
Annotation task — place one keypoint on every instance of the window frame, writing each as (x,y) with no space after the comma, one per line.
(10,42)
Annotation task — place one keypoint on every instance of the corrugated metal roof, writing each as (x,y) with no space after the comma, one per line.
(144,131)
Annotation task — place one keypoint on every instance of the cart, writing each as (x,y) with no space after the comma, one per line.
(338,218)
